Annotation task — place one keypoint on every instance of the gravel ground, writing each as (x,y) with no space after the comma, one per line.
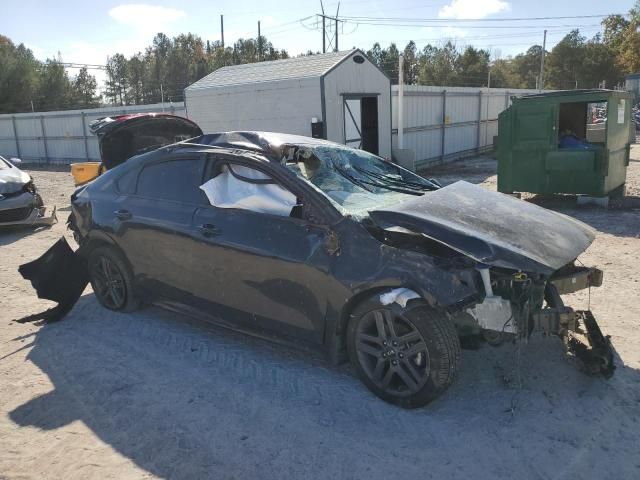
(154,395)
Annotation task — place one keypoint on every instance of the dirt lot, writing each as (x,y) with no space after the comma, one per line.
(151,394)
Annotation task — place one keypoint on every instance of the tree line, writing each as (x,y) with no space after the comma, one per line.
(29,84)
(163,71)
(169,65)
(575,62)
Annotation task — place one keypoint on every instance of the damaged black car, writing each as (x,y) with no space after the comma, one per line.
(320,244)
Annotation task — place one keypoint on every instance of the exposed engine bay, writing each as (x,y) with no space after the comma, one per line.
(516,305)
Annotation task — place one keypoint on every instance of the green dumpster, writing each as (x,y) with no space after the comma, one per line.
(574,141)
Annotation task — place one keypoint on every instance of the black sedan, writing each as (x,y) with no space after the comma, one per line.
(319,244)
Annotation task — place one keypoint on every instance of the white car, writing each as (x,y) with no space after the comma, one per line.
(20,203)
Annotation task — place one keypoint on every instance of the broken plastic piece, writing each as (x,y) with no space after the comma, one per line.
(248,189)
(398,295)
(60,274)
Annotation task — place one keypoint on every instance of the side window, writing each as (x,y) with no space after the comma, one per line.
(238,186)
(177,180)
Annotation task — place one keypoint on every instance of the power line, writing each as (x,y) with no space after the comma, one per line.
(417,25)
(531,33)
(467,20)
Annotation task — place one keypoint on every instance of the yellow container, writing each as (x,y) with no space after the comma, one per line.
(85,172)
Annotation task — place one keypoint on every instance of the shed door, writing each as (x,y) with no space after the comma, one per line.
(361,123)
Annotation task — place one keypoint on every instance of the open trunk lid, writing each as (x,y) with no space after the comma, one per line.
(492,228)
(123,136)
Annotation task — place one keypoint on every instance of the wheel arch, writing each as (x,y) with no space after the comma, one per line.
(337,343)
(101,239)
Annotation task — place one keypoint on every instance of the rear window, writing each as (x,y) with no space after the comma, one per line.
(176,180)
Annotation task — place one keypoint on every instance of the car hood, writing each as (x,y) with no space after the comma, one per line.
(124,136)
(12,180)
(491,228)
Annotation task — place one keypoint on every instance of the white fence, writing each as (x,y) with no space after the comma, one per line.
(440,124)
(61,137)
(444,123)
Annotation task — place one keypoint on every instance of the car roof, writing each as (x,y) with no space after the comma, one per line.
(266,143)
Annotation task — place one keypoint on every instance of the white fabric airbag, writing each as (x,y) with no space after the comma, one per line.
(227,191)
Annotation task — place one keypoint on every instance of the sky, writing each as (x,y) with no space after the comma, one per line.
(88,31)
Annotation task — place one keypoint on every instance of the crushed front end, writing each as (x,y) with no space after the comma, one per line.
(24,206)
(518,304)
(525,258)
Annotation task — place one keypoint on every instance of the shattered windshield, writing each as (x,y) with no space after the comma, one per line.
(354,179)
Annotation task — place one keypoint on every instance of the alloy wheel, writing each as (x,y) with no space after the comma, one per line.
(392,352)
(108,282)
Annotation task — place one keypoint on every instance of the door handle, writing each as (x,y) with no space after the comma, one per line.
(208,230)
(123,214)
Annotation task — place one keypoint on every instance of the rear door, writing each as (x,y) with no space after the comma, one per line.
(266,269)
(153,222)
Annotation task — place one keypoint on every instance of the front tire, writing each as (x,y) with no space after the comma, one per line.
(112,280)
(406,356)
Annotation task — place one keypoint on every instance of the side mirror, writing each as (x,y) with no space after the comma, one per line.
(15,161)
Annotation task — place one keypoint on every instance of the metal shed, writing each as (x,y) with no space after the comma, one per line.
(340,96)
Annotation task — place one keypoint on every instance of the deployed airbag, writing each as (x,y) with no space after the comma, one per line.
(248,189)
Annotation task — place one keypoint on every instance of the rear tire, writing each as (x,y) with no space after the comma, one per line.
(112,279)
(406,356)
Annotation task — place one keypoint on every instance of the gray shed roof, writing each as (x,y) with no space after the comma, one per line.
(287,69)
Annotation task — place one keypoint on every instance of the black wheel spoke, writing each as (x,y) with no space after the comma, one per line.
(370,339)
(377,372)
(412,370)
(117,295)
(388,321)
(104,265)
(382,333)
(411,383)
(387,378)
(410,337)
(368,349)
(416,348)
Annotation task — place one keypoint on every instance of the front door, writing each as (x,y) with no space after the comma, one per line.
(254,260)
